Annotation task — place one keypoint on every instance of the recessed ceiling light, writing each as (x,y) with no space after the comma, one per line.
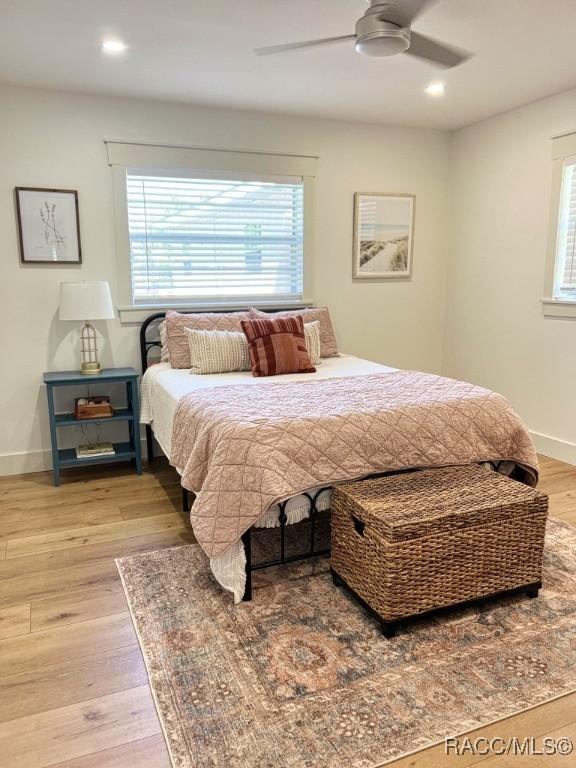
(113,46)
(436,89)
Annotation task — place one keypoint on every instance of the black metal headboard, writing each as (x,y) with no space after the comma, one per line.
(145,344)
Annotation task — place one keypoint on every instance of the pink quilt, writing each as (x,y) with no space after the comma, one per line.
(243,448)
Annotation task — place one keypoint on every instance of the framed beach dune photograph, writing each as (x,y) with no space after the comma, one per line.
(383,235)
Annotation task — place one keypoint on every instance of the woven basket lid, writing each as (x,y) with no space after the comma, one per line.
(413,504)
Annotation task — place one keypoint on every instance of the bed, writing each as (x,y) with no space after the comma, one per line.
(212,400)
(163,387)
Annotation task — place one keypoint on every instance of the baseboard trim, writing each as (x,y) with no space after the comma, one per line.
(26,462)
(562,450)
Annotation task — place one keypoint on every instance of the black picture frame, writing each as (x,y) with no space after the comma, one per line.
(57,240)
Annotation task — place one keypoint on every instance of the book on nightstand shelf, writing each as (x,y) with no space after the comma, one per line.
(94,449)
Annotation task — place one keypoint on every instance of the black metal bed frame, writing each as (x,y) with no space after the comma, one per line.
(146,345)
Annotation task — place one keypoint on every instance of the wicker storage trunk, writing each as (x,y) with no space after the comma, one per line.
(411,543)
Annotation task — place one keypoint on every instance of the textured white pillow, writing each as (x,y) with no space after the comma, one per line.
(217,351)
(313,343)
(227,351)
(164,355)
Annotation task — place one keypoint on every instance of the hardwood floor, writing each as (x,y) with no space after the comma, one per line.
(73,687)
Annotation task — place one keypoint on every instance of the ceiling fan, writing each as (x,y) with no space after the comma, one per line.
(385,29)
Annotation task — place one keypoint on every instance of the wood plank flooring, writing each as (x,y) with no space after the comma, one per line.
(73,687)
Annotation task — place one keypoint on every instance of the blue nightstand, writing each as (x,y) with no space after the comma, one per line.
(66,457)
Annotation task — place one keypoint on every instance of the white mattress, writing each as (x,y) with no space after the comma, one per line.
(162,388)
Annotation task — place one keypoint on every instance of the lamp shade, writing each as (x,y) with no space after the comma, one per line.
(86,301)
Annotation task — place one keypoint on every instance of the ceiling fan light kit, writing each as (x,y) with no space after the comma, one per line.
(385,29)
(378,38)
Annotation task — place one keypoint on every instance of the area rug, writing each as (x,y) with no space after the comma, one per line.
(302,678)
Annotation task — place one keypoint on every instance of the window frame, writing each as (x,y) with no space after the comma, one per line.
(563,154)
(162,159)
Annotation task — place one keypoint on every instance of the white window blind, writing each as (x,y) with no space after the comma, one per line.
(565,272)
(194,239)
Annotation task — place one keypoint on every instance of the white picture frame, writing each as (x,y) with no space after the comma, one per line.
(383,235)
(48,226)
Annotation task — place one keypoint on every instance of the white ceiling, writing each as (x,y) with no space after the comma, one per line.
(201,51)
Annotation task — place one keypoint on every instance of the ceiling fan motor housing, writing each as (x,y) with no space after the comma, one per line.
(377,37)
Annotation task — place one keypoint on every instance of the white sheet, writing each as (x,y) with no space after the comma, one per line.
(162,388)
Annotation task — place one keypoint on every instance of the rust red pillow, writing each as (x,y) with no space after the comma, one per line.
(277,346)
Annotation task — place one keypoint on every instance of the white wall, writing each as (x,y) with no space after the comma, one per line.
(496,333)
(56,140)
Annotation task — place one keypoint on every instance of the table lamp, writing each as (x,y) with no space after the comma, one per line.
(87,301)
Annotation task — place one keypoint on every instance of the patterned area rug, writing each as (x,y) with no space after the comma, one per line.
(302,678)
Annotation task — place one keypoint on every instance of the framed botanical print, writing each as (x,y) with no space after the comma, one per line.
(383,235)
(48,226)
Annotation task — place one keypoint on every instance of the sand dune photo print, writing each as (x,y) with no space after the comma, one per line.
(383,232)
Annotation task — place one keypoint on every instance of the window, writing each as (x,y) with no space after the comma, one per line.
(206,227)
(202,238)
(565,262)
(560,275)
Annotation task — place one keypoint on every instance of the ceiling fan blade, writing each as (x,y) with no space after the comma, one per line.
(437,53)
(271,49)
(402,12)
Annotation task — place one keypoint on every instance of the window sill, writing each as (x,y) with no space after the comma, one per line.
(137,314)
(563,308)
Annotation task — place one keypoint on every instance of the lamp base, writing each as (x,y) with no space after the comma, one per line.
(90,369)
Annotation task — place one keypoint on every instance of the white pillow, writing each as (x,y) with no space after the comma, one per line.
(164,355)
(227,351)
(313,342)
(217,351)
